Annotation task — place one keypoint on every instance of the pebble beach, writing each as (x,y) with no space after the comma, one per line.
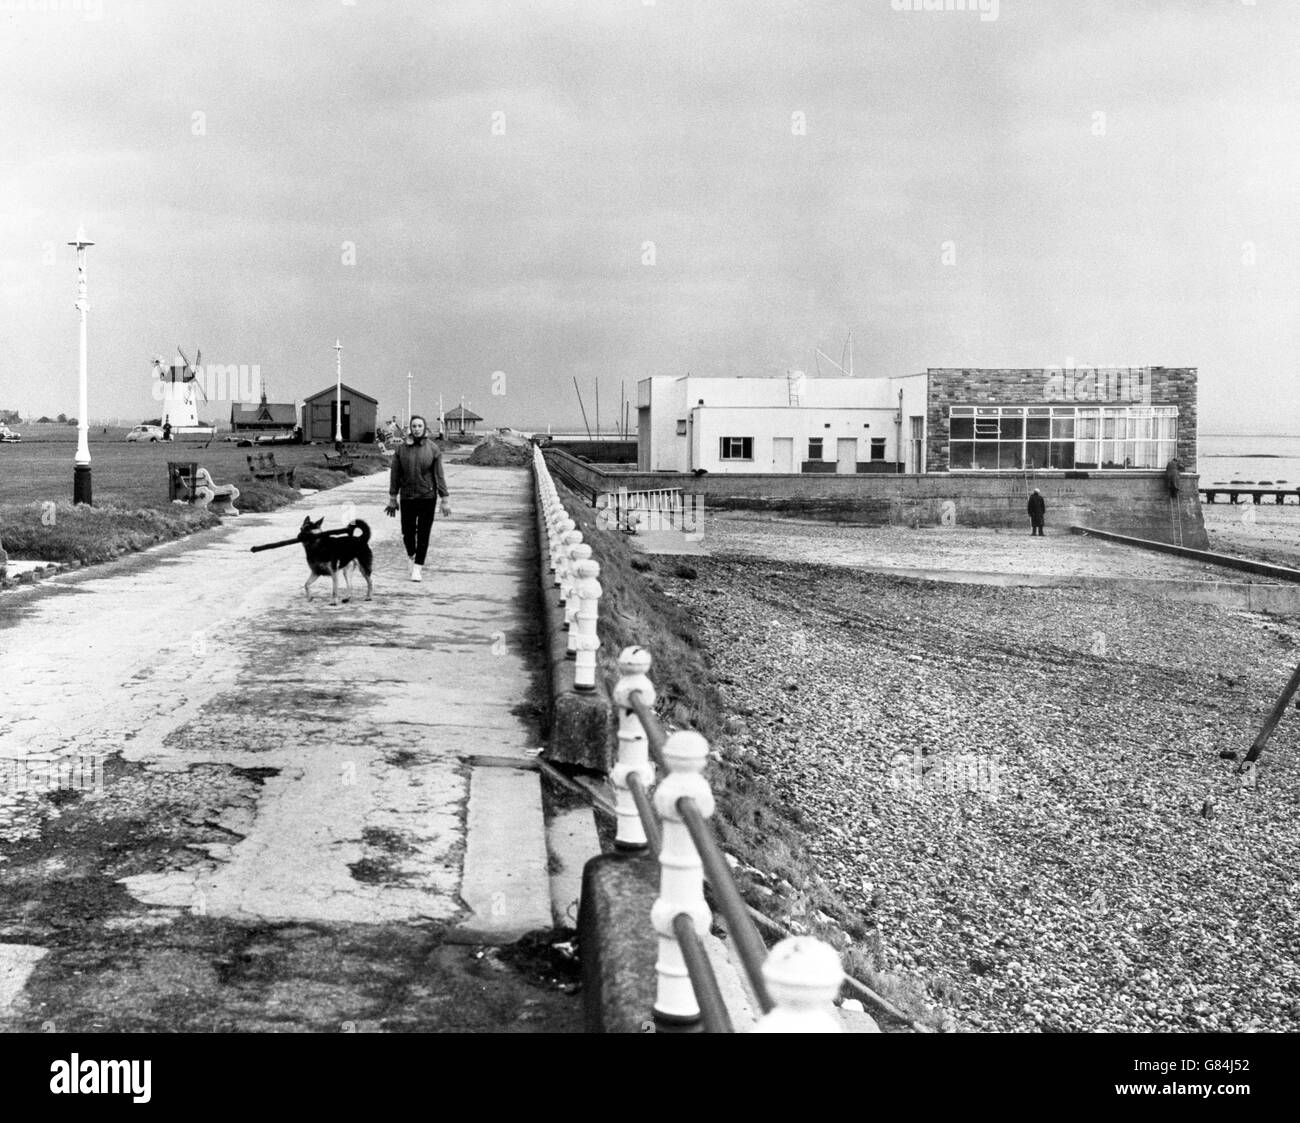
(1020,790)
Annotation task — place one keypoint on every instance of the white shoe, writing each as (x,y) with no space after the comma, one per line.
(417,572)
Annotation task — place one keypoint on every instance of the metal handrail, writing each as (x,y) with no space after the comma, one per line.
(649,820)
(713,1009)
(654,732)
(749,944)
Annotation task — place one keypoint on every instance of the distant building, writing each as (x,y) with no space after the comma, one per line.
(10,417)
(777,425)
(360,414)
(265,417)
(945,420)
(460,421)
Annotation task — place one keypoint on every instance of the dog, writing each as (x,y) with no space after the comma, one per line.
(330,556)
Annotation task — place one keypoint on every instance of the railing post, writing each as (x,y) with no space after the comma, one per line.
(579,553)
(565,571)
(563,525)
(633,747)
(588,591)
(803,977)
(681,875)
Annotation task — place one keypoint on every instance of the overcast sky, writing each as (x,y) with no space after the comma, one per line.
(1107,182)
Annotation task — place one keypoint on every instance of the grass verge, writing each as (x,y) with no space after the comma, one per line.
(86,535)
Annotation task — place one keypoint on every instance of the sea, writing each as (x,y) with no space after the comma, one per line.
(1224,458)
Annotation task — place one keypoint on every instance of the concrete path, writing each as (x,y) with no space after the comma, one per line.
(333,743)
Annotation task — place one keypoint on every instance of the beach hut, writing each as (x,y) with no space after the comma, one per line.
(360,414)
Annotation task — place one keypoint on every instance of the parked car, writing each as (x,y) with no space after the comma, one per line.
(146,433)
(8,436)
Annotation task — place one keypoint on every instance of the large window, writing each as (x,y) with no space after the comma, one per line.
(736,448)
(877,448)
(1088,437)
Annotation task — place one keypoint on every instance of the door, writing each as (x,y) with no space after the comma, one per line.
(918,434)
(347,418)
(846,456)
(783,454)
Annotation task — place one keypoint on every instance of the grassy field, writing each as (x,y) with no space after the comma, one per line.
(130,475)
(131,509)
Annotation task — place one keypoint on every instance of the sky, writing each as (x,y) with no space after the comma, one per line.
(501,198)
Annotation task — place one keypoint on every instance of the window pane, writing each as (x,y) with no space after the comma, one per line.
(1062,454)
(1062,428)
(986,428)
(1012,428)
(962,428)
(962,455)
(1009,455)
(1036,454)
(1038,428)
(986,454)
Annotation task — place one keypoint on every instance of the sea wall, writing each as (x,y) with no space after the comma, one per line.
(1133,503)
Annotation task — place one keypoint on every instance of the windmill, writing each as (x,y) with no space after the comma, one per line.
(181,389)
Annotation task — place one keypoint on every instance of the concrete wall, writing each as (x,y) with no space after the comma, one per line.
(1132,503)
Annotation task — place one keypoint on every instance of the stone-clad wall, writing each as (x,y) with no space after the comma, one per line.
(1127,502)
(1162,386)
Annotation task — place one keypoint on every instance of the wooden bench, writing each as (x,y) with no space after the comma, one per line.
(338,460)
(200,489)
(263,467)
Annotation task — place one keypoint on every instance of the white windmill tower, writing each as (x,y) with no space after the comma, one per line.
(180,390)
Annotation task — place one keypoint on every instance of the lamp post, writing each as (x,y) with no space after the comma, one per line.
(81,490)
(338,399)
(408,399)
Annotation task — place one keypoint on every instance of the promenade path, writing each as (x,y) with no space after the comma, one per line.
(258,760)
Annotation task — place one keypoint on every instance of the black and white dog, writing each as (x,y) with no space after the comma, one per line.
(328,555)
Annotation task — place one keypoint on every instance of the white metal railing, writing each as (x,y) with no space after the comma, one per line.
(796,982)
(575,573)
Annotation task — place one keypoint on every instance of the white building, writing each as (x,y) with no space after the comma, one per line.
(783,424)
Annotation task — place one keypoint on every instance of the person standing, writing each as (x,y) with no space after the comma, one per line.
(416,475)
(1037,509)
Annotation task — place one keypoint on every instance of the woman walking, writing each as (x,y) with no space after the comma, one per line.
(416,475)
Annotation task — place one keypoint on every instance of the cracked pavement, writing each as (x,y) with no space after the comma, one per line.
(272,771)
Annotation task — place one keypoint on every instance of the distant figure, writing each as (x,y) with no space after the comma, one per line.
(1172,481)
(167,428)
(1037,509)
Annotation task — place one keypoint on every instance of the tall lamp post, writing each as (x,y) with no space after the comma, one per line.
(338,400)
(81,491)
(408,399)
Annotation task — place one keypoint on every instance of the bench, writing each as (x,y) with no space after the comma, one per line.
(338,460)
(263,467)
(199,488)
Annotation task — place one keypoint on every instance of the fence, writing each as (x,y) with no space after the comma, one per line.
(576,574)
(796,983)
